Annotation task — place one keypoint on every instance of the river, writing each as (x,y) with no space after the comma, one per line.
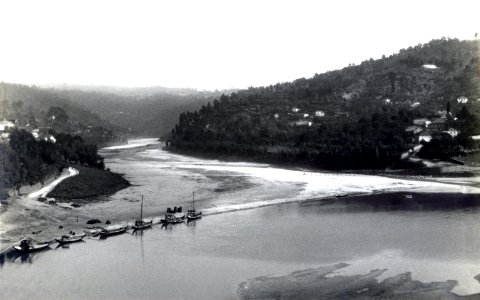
(260,220)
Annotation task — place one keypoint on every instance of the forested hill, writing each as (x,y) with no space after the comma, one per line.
(149,111)
(353,117)
(124,112)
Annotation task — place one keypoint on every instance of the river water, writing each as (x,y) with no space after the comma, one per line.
(243,235)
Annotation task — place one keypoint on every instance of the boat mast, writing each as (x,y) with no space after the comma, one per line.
(193,200)
(141,210)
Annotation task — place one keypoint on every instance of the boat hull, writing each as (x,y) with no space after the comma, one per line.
(36,248)
(173,220)
(71,239)
(112,232)
(145,225)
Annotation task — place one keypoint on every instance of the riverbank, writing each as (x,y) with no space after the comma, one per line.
(88,184)
(432,169)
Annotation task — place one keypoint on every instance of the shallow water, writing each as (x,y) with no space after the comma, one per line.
(208,259)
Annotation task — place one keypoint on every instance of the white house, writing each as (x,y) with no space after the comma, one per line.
(425,136)
(319,113)
(415,104)
(422,122)
(430,66)
(462,99)
(276,116)
(306,115)
(414,129)
(452,131)
(50,138)
(301,123)
(4,125)
(36,133)
(295,109)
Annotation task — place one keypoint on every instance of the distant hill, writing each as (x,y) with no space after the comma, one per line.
(146,111)
(129,112)
(34,108)
(353,117)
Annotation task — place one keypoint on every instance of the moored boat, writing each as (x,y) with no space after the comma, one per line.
(140,223)
(28,245)
(173,218)
(72,238)
(192,214)
(114,231)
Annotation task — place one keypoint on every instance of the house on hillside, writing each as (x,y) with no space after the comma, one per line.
(305,116)
(414,129)
(415,104)
(452,132)
(301,123)
(425,136)
(276,116)
(462,99)
(319,113)
(422,122)
(443,114)
(50,138)
(6,125)
(439,124)
(36,133)
(295,109)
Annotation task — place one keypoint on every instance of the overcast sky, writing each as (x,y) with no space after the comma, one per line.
(212,44)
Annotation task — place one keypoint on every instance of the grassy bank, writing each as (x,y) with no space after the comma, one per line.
(89,183)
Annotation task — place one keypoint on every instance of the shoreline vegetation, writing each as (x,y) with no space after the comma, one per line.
(90,183)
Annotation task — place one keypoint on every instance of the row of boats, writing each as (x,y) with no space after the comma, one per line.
(28,245)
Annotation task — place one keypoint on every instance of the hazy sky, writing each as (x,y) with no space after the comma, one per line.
(212,44)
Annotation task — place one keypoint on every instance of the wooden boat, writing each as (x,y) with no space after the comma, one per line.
(72,238)
(140,224)
(28,245)
(192,214)
(173,219)
(109,232)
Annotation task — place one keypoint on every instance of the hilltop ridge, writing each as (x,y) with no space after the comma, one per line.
(350,118)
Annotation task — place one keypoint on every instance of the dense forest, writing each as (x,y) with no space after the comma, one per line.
(24,160)
(350,118)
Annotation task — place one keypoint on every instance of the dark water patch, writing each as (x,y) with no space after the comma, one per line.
(401,201)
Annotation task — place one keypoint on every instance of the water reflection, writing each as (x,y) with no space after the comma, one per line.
(67,246)
(139,234)
(14,256)
(192,223)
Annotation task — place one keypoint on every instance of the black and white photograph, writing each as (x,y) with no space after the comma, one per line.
(239,149)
